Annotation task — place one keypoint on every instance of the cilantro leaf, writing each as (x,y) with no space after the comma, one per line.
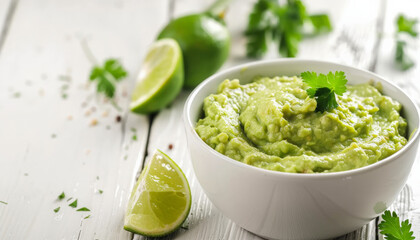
(283,24)
(407,25)
(107,76)
(321,23)
(324,88)
(404,25)
(73,204)
(259,26)
(289,32)
(390,227)
(403,61)
(325,100)
(83,209)
(61,196)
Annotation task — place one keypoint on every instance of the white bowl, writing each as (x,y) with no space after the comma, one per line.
(279,205)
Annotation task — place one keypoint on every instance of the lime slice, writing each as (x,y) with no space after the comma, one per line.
(160,79)
(160,200)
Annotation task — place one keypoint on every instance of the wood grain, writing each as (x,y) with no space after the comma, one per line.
(7,11)
(50,144)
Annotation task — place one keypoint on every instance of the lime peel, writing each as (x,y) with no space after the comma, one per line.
(161,199)
(160,78)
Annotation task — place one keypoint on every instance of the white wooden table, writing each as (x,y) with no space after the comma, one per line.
(50,144)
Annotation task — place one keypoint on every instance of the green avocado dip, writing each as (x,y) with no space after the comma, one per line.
(271,123)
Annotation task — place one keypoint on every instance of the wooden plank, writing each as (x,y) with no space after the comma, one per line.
(7,9)
(50,144)
(352,42)
(407,203)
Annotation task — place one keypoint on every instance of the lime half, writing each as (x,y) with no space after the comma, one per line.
(160,79)
(160,200)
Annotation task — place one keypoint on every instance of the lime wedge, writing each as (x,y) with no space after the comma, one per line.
(161,199)
(160,78)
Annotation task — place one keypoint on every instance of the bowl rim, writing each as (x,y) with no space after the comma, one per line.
(189,124)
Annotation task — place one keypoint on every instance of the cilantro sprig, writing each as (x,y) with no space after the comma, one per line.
(283,24)
(404,26)
(324,88)
(392,229)
(107,76)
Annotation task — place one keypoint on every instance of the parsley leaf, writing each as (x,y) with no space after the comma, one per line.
(73,204)
(83,209)
(61,196)
(324,88)
(57,209)
(107,76)
(407,25)
(390,227)
(283,24)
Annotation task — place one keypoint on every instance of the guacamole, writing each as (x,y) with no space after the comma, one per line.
(271,123)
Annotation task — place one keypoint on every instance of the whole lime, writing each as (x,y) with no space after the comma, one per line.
(205,44)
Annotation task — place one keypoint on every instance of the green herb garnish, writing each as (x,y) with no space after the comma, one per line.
(324,88)
(407,25)
(88,216)
(5,203)
(57,209)
(100,191)
(390,227)
(403,61)
(269,20)
(73,204)
(62,195)
(107,76)
(83,209)
(404,25)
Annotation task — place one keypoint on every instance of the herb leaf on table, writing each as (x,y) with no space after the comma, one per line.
(404,25)
(390,227)
(401,58)
(407,25)
(61,196)
(107,76)
(283,24)
(324,88)
(83,209)
(73,204)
